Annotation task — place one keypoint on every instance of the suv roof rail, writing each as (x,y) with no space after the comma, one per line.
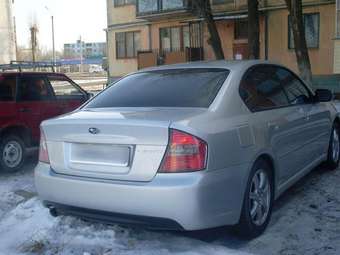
(22,65)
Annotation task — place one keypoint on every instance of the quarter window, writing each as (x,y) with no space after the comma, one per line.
(63,88)
(297,92)
(260,89)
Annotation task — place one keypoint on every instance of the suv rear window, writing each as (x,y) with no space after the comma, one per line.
(165,88)
(7,88)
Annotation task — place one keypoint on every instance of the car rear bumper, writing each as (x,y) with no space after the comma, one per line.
(186,201)
(110,217)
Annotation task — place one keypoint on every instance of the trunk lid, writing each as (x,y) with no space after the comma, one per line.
(117,144)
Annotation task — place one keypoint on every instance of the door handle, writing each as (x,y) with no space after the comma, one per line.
(25,110)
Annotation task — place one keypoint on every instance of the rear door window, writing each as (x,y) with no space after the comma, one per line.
(34,89)
(166,88)
(7,88)
(261,89)
(64,89)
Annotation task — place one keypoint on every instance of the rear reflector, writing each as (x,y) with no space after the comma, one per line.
(185,153)
(43,152)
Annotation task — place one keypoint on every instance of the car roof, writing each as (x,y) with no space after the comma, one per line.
(223,64)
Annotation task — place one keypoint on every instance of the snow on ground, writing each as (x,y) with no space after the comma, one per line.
(15,188)
(306,220)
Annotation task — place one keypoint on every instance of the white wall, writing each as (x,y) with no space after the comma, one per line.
(7,42)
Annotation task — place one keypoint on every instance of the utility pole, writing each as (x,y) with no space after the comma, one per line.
(15,39)
(53,37)
(53,42)
(81,56)
(34,42)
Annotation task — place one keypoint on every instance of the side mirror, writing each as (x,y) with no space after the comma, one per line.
(323,95)
(89,95)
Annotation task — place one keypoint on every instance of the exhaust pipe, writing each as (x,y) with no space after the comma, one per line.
(53,211)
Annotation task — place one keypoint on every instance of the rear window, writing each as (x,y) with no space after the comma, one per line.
(166,88)
(7,88)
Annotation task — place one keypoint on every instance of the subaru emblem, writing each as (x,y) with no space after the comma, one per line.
(94,131)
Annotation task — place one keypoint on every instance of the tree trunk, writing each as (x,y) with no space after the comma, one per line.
(300,43)
(204,9)
(253,29)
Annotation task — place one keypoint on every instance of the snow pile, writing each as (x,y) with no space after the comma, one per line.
(306,220)
(30,229)
(10,184)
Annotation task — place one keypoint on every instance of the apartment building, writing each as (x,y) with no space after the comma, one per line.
(7,35)
(87,50)
(143,33)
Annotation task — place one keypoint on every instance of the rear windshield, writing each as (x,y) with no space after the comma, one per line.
(166,88)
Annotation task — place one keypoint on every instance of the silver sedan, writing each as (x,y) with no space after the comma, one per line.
(188,147)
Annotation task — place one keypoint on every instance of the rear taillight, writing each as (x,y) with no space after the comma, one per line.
(185,153)
(43,152)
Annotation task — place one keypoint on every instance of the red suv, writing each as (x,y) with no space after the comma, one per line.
(26,99)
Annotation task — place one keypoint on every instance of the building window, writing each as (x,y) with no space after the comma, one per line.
(312,30)
(241,29)
(174,38)
(123,2)
(154,6)
(145,6)
(222,1)
(127,44)
(172,4)
(337,18)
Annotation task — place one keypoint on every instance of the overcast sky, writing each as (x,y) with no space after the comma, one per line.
(73,18)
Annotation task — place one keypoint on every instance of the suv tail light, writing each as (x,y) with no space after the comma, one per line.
(43,152)
(185,153)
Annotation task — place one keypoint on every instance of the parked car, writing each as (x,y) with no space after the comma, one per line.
(188,147)
(96,69)
(26,99)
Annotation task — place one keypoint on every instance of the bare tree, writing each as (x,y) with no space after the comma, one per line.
(203,9)
(300,43)
(253,29)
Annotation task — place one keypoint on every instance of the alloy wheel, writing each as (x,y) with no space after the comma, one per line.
(335,146)
(260,197)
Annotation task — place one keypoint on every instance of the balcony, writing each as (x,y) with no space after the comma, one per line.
(240,6)
(162,9)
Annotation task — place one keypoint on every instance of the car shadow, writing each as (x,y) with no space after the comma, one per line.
(29,166)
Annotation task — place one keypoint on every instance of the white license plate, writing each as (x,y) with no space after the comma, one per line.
(100,154)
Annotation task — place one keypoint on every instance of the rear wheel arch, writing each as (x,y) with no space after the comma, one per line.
(246,227)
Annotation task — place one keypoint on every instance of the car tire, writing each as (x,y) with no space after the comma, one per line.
(257,202)
(12,154)
(334,148)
